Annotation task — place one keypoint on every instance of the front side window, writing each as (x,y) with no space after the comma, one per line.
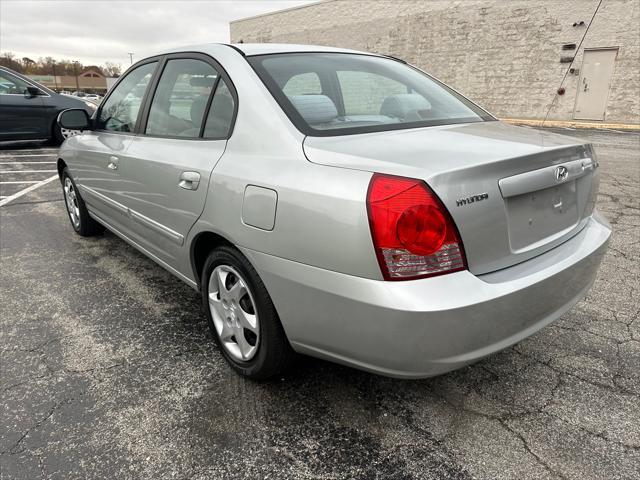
(10,85)
(359,93)
(119,112)
(180,101)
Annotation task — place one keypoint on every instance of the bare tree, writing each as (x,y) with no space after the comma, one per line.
(27,65)
(8,59)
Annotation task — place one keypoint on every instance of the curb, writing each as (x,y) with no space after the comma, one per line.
(572,124)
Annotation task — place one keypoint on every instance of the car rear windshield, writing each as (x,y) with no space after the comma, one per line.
(338,93)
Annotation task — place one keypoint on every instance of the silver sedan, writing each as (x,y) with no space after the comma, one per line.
(338,204)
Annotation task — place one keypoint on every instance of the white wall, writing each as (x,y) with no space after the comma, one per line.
(504,54)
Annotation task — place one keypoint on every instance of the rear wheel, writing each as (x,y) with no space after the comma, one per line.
(242,316)
(79,217)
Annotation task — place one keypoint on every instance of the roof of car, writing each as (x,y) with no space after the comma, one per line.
(249,49)
(267,48)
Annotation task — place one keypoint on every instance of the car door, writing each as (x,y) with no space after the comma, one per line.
(21,115)
(183,135)
(100,152)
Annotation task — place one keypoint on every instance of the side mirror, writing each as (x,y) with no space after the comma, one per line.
(74,119)
(32,91)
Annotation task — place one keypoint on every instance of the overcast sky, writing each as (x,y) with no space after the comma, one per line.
(96,31)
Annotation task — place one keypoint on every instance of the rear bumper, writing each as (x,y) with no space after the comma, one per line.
(425,327)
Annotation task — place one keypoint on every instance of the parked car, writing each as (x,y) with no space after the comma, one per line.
(93,101)
(29,110)
(79,93)
(339,204)
(93,97)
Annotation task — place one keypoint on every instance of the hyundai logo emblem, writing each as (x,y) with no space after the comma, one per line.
(561,173)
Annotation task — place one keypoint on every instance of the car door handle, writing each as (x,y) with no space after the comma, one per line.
(189,180)
(113,163)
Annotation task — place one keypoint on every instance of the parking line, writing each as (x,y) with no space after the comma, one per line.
(24,163)
(8,199)
(29,155)
(19,181)
(28,171)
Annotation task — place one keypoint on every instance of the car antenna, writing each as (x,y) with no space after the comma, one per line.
(560,89)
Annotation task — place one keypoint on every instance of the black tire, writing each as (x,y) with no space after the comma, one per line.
(274,354)
(86,226)
(56,134)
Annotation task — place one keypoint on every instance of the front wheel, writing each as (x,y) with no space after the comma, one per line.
(59,134)
(79,217)
(242,316)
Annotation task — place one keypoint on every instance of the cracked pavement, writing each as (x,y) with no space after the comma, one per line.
(108,371)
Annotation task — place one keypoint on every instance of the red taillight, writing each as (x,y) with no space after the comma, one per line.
(413,234)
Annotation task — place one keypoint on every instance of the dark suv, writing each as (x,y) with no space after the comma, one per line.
(29,110)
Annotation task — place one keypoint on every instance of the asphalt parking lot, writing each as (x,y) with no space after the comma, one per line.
(108,371)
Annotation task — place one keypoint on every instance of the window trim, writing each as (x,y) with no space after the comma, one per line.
(296,119)
(207,108)
(98,111)
(222,73)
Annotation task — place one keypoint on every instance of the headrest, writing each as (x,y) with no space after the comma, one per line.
(398,106)
(314,108)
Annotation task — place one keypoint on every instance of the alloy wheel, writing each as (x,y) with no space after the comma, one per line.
(71,200)
(68,133)
(234,313)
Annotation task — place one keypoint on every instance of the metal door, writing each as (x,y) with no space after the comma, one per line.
(595,80)
(95,171)
(21,116)
(164,186)
(165,177)
(99,153)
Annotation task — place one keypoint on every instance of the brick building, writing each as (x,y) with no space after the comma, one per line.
(509,56)
(88,81)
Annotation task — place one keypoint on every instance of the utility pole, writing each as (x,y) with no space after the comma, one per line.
(75,71)
(131,57)
(55,80)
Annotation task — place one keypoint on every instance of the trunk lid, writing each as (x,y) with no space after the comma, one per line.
(513,192)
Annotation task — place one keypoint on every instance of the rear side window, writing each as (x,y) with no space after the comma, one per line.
(221,113)
(181,98)
(119,112)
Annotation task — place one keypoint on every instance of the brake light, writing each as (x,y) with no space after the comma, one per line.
(413,234)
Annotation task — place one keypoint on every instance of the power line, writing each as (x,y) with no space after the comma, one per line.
(572,60)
